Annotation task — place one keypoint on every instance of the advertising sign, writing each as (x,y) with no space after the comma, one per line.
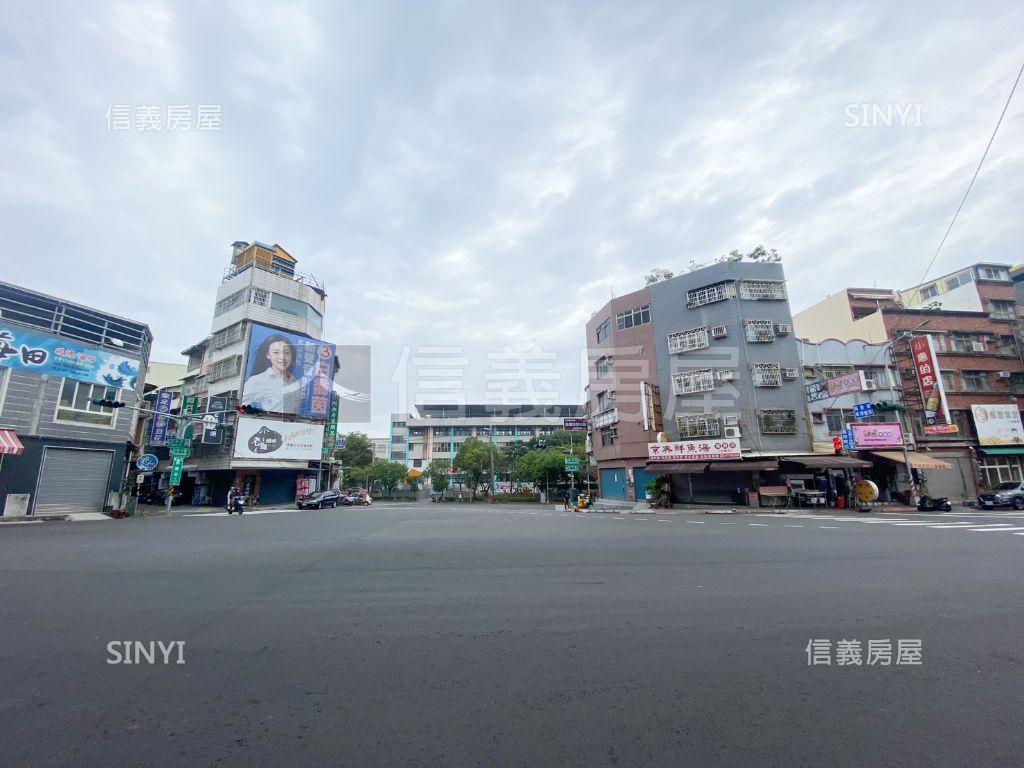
(846,384)
(929,380)
(288,373)
(331,427)
(213,429)
(163,405)
(880,435)
(271,439)
(189,404)
(60,357)
(998,424)
(694,450)
(177,464)
(575,424)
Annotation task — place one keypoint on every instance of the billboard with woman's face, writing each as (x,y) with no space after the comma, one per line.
(288,373)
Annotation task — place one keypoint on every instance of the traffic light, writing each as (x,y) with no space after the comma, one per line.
(837,446)
(249,409)
(109,403)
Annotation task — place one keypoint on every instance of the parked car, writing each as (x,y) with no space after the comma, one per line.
(1008,494)
(321,499)
(360,499)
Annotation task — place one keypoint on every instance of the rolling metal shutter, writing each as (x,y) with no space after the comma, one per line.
(72,480)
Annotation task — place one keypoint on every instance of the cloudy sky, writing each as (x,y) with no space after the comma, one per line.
(482,176)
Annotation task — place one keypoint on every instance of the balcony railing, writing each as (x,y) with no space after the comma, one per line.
(605,418)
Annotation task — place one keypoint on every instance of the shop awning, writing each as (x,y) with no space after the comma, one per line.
(677,467)
(754,465)
(917,460)
(10,445)
(827,462)
(1015,451)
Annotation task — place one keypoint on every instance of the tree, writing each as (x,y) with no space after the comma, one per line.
(359,476)
(358,451)
(440,474)
(541,466)
(760,254)
(474,458)
(656,275)
(387,474)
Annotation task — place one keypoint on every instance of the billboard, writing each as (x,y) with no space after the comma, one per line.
(574,424)
(288,373)
(276,440)
(845,384)
(998,424)
(877,435)
(695,450)
(929,381)
(61,357)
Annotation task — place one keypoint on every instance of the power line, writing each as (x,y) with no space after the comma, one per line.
(976,171)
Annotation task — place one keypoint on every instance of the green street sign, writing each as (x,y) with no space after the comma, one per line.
(572,465)
(190,404)
(181,448)
(176,466)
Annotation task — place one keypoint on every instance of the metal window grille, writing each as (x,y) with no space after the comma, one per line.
(688,382)
(603,367)
(685,341)
(709,294)
(778,422)
(760,330)
(222,369)
(766,374)
(757,290)
(699,425)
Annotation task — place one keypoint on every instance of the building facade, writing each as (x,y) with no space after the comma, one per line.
(704,358)
(66,453)
(970,320)
(436,431)
(261,296)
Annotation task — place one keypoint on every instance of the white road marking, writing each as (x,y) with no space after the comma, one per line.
(724,523)
(760,525)
(995,530)
(831,527)
(792,526)
(695,522)
(665,521)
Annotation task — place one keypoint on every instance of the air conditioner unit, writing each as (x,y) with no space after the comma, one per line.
(783,328)
(725,375)
(733,432)
(870,386)
(789,373)
(1003,374)
(719,331)
(731,421)
(977,346)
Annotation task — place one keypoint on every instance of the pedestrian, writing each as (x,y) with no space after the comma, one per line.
(565,499)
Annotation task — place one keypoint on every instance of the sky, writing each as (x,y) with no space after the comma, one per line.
(473,180)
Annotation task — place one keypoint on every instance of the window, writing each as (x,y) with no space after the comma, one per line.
(236,299)
(603,367)
(763,290)
(603,330)
(1005,345)
(1003,310)
(938,341)
(75,405)
(686,341)
(398,455)
(967,342)
(977,381)
(831,371)
(1000,469)
(993,273)
(397,423)
(294,307)
(778,422)
(956,281)
(636,316)
(524,431)
(766,374)
(458,431)
(609,436)
(877,376)
(399,439)
(760,330)
(222,369)
(950,380)
(224,337)
(505,431)
(709,294)
(688,382)
(417,463)
(699,425)
(444,447)
(547,430)
(929,292)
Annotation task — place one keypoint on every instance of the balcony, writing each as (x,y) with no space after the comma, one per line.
(605,418)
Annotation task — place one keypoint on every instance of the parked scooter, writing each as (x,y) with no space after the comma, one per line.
(934,504)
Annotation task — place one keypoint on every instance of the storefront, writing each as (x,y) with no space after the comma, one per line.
(1000,465)
(821,480)
(949,476)
(717,482)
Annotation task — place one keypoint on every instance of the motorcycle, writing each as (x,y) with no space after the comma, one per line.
(934,504)
(236,505)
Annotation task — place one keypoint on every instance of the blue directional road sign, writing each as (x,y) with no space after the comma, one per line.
(863,410)
(147,462)
(847,436)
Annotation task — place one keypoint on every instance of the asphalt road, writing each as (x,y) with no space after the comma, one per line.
(510,636)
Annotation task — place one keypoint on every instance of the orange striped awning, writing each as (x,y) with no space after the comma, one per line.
(10,445)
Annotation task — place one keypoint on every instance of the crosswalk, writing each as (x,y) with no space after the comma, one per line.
(978,523)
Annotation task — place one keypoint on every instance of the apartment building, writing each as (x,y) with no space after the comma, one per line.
(61,451)
(963,429)
(702,360)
